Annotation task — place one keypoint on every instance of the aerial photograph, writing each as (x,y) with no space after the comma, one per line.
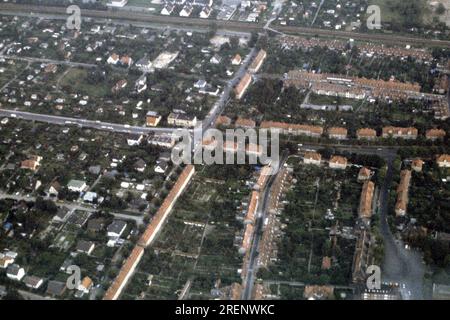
(197,151)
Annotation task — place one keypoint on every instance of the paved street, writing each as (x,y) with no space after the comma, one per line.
(75,206)
(249,281)
(114,127)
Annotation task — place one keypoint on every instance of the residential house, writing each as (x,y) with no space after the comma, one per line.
(140,165)
(443,161)
(205,13)
(85,247)
(186,11)
(168,9)
(434,134)
(33,282)
(398,132)
(32,163)
(5,261)
(15,272)
(366,133)
(337,133)
(216,59)
(152,118)
(56,288)
(364,174)
(113,59)
(51,68)
(86,285)
(90,197)
(312,158)
(126,61)
(200,84)
(236,60)
(141,84)
(116,228)
(54,189)
(338,162)
(181,119)
(164,140)
(161,167)
(62,214)
(144,64)
(417,165)
(134,139)
(77,185)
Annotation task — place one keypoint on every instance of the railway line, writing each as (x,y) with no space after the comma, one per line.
(116,14)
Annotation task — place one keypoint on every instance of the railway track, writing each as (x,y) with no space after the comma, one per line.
(230,25)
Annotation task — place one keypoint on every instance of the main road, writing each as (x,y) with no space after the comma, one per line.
(252,270)
(125,15)
(99,125)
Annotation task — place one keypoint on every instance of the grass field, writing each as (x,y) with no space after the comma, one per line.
(76,79)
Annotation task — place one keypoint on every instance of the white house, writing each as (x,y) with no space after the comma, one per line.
(161,167)
(167,10)
(15,272)
(205,13)
(186,11)
(216,59)
(135,140)
(77,185)
(113,59)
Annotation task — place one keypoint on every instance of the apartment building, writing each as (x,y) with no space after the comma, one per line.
(365,203)
(337,133)
(399,132)
(242,86)
(402,193)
